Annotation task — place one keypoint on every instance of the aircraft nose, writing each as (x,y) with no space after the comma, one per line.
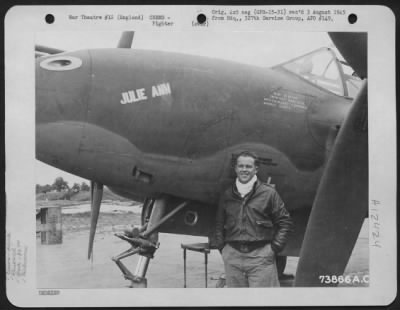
(62,87)
(62,94)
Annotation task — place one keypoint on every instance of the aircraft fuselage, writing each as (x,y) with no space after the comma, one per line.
(147,122)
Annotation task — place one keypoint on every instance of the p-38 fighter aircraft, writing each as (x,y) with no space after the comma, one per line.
(165,129)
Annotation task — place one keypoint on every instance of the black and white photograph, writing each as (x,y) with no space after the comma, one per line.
(204,151)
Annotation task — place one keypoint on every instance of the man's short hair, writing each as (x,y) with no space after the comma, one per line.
(249,154)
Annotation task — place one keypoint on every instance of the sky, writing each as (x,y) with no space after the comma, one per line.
(256,48)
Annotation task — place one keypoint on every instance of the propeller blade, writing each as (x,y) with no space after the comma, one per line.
(40,54)
(353,47)
(341,203)
(96,196)
(126,39)
(47,50)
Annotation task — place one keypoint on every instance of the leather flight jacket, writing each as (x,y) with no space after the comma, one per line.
(259,217)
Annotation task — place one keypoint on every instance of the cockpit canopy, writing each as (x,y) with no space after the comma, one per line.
(323,68)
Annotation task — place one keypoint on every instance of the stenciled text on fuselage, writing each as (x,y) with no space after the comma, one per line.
(140,94)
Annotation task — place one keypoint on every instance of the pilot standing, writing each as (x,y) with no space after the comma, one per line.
(252,226)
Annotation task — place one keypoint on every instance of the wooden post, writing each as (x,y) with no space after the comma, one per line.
(51,230)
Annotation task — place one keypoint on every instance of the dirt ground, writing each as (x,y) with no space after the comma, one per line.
(66,265)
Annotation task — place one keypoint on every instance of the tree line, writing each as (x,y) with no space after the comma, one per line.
(60,185)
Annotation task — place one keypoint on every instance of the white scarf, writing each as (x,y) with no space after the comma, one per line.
(246,188)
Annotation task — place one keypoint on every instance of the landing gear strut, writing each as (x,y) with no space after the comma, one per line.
(144,241)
